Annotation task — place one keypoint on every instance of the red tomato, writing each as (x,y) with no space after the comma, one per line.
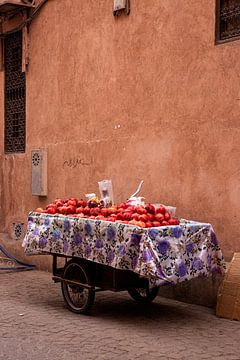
(94,211)
(140,210)
(127,216)
(111,218)
(104,212)
(51,210)
(86,210)
(62,210)
(122,205)
(72,202)
(150,208)
(159,217)
(173,221)
(143,218)
(59,202)
(161,209)
(79,210)
(167,216)
(51,205)
(130,208)
(151,217)
(120,216)
(82,203)
(135,216)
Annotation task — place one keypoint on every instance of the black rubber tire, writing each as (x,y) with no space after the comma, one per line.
(76,271)
(143,295)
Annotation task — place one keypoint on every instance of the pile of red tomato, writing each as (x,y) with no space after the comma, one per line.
(139,215)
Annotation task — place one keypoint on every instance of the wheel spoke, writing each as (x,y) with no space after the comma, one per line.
(78,299)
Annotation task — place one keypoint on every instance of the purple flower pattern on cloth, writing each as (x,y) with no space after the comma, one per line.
(88,251)
(153,233)
(214,238)
(47,221)
(163,246)
(197,264)
(36,232)
(65,246)
(189,247)
(182,270)
(135,239)
(209,259)
(134,262)
(77,239)
(88,228)
(160,273)
(177,232)
(67,225)
(110,257)
(56,235)
(99,244)
(111,233)
(163,255)
(42,242)
(122,250)
(147,256)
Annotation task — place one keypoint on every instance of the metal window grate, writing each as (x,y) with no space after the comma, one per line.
(15,93)
(228,19)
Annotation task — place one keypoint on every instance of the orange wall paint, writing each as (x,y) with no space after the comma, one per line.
(148,96)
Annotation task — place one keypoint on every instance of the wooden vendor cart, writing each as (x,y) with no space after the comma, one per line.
(102,255)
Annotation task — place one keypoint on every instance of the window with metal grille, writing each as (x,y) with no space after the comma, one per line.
(15,93)
(228,20)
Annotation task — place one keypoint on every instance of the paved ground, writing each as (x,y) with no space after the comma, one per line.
(34,324)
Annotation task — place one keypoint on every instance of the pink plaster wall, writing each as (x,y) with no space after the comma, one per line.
(148,96)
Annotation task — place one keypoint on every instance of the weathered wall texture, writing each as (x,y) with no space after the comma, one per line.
(148,96)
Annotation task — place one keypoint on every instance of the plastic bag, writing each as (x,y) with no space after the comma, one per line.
(106,192)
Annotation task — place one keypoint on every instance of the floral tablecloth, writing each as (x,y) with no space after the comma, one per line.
(164,255)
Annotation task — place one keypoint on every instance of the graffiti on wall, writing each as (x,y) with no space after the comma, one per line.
(73,163)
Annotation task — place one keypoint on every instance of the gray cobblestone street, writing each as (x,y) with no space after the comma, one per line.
(35,324)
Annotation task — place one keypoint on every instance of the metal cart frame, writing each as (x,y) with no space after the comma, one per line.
(80,279)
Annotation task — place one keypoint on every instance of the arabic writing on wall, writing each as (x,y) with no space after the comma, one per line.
(73,163)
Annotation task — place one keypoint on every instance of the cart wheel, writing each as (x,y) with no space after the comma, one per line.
(143,295)
(77,299)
